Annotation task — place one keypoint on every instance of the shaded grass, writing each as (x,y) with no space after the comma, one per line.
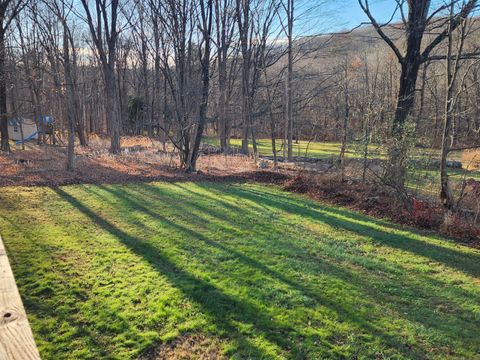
(109,271)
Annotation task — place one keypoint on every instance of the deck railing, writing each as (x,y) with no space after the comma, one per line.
(16,338)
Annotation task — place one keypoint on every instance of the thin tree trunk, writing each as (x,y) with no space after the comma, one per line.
(71,103)
(452,66)
(289,80)
(346,118)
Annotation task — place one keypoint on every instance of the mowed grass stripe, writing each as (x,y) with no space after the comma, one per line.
(110,271)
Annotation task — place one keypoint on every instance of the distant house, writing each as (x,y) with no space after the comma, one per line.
(18,125)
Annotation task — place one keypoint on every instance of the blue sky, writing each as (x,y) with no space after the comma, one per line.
(337,15)
(353,15)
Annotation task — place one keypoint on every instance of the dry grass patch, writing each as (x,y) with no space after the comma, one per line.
(188,347)
(471,159)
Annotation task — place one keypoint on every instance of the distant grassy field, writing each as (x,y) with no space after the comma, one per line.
(302,148)
(318,149)
(421,177)
(325,150)
(428,181)
(109,271)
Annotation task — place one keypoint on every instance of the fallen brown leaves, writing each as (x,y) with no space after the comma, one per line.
(139,161)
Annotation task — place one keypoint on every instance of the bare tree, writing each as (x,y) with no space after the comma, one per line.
(254,22)
(452,72)
(225,29)
(419,20)
(243,15)
(102,21)
(31,55)
(289,10)
(9,9)
(62,11)
(346,114)
(186,44)
(204,51)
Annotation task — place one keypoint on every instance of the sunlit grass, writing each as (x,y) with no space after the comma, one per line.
(302,148)
(423,177)
(326,150)
(109,271)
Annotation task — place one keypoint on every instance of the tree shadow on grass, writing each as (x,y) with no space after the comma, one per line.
(37,289)
(346,314)
(224,309)
(469,263)
(421,307)
(219,312)
(422,313)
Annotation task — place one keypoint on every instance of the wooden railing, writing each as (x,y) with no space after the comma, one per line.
(16,338)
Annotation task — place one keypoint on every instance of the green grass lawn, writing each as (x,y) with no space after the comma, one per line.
(422,177)
(427,182)
(109,271)
(324,150)
(327,150)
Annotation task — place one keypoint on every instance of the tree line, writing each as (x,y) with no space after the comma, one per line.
(245,69)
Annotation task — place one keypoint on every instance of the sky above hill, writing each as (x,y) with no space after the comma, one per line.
(352,15)
(338,15)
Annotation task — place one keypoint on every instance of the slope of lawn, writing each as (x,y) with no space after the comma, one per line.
(111,271)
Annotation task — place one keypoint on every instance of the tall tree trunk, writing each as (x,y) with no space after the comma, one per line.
(71,103)
(446,195)
(206,16)
(221,21)
(245,107)
(452,67)
(346,118)
(113,114)
(288,90)
(395,170)
(222,107)
(271,116)
(244,28)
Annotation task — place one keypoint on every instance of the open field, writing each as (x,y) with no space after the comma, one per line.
(427,181)
(234,270)
(422,176)
(322,150)
(329,150)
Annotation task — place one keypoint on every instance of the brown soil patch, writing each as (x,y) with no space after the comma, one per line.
(187,347)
